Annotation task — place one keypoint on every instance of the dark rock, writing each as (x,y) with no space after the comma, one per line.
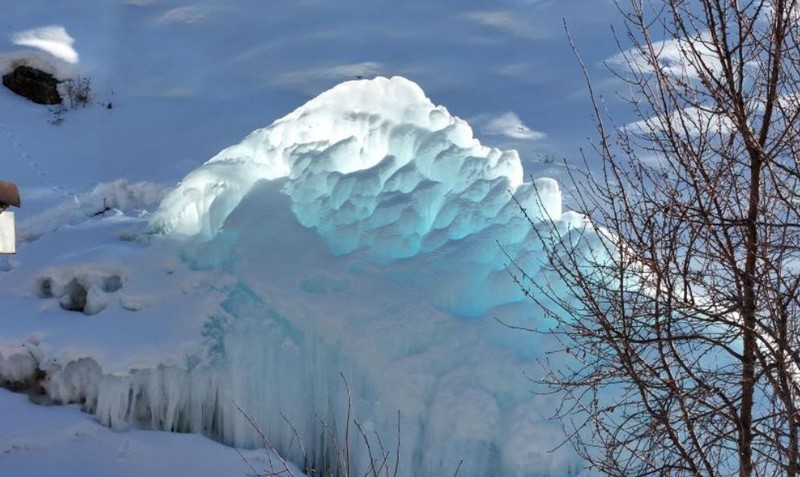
(38,86)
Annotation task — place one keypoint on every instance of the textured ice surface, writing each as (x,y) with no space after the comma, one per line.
(369,163)
(360,236)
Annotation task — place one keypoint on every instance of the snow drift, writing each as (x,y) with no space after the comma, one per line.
(359,237)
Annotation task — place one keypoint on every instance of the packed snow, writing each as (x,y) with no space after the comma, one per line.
(55,440)
(51,39)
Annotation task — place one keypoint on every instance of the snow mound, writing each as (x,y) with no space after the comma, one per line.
(369,164)
(102,199)
(52,39)
(50,51)
(19,364)
(84,289)
(40,60)
(73,382)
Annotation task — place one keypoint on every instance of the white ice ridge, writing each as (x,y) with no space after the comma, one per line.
(370,164)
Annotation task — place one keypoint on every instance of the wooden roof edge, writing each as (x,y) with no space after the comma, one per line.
(9,194)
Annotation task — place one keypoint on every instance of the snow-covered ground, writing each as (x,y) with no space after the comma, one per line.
(355,236)
(51,441)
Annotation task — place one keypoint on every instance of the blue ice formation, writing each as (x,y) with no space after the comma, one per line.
(370,163)
(375,166)
(362,230)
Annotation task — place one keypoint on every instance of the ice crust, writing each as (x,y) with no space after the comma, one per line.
(362,233)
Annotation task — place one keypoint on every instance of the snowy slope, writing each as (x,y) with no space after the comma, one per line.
(54,441)
(303,251)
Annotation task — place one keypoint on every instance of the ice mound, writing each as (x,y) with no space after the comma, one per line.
(369,163)
(374,165)
(412,207)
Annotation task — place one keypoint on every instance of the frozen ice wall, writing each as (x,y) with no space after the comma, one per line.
(362,231)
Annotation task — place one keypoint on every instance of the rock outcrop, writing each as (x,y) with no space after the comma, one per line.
(36,85)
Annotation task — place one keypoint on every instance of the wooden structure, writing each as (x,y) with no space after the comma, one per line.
(9,197)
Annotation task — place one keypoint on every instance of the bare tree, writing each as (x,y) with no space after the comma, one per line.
(680,325)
